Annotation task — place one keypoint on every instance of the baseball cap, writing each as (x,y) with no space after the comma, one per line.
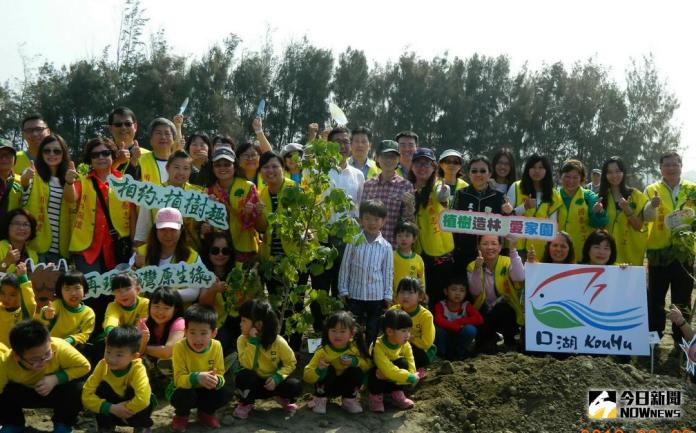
(450,152)
(387,146)
(223,152)
(424,152)
(291,147)
(596,171)
(169,218)
(4,144)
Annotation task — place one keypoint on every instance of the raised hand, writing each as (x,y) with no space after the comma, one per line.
(28,175)
(624,205)
(48,312)
(598,206)
(506,208)
(135,153)
(479,260)
(530,203)
(656,201)
(531,254)
(312,131)
(257,124)
(71,174)
(12,257)
(21,269)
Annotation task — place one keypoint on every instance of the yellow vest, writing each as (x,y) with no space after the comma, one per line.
(372,169)
(461,184)
(660,236)
(5,246)
(504,286)
(575,221)
(544,210)
(85,219)
(14,194)
(245,241)
(431,239)
(265,197)
(190,224)
(22,162)
(193,255)
(630,243)
(149,170)
(37,205)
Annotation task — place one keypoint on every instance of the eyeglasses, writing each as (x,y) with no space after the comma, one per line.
(34,363)
(120,124)
(54,151)
(478,171)
(456,161)
(222,164)
(101,153)
(217,250)
(250,156)
(35,130)
(20,225)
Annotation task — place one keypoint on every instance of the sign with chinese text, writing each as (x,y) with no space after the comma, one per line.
(586,309)
(479,223)
(190,203)
(178,275)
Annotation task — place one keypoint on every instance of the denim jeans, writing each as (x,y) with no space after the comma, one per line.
(454,344)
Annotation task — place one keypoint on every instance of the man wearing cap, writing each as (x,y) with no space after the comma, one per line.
(34,129)
(408,143)
(360,149)
(123,127)
(391,189)
(595,180)
(10,188)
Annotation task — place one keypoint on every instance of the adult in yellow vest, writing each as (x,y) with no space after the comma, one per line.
(624,206)
(123,126)
(44,183)
(153,165)
(434,245)
(34,130)
(534,196)
(167,244)
(450,171)
(360,139)
(495,284)
(92,244)
(17,229)
(246,164)
(581,210)
(178,167)
(241,199)
(666,269)
(10,188)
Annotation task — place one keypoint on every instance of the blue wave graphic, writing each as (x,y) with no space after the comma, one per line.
(593,317)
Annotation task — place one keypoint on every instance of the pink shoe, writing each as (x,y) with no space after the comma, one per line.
(318,404)
(376,402)
(179,423)
(421,373)
(351,405)
(208,420)
(285,404)
(242,410)
(399,400)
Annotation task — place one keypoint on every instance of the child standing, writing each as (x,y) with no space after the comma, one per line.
(455,321)
(266,359)
(338,366)
(40,372)
(198,370)
(395,367)
(17,301)
(407,263)
(118,390)
(367,270)
(68,317)
(409,294)
(127,308)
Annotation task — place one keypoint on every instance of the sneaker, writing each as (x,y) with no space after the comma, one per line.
(351,405)
(287,405)
(399,400)
(179,423)
(208,420)
(61,428)
(376,402)
(242,410)
(12,428)
(318,404)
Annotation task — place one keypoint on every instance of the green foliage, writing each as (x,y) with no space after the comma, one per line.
(684,238)
(243,284)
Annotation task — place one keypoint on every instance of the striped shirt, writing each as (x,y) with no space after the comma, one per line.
(55,197)
(276,245)
(390,193)
(367,270)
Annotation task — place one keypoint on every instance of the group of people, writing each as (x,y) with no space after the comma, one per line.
(410,290)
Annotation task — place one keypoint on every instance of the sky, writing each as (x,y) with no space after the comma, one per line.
(532,32)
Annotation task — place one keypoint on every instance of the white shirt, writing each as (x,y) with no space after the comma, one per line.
(350,180)
(367,270)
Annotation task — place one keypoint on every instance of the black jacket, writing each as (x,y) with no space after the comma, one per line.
(465,246)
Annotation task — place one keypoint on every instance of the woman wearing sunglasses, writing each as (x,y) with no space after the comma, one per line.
(450,171)
(44,183)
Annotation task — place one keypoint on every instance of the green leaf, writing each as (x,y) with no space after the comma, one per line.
(556,317)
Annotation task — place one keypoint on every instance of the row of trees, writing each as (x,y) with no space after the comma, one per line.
(475,104)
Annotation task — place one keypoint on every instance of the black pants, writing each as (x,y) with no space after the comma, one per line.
(346,385)
(438,271)
(274,287)
(379,386)
(501,318)
(139,419)
(65,400)
(368,314)
(250,385)
(420,356)
(328,281)
(660,278)
(205,400)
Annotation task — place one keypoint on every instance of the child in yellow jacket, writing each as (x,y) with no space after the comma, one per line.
(17,301)
(409,294)
(339,365)
(266,360)
(395,367)
(118,390)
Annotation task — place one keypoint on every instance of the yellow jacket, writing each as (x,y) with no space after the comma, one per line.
(504,286)
(630,243)
(431,240)
(26,310)
(74,325)
(277,361)
(384,354)
(37,205)
(544,210)
(135,377)
(5,246)
(188,363)
(423,330)
(660,235)
(312,372)
(117,315)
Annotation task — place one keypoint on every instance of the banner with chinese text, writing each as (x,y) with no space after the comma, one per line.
(480,223)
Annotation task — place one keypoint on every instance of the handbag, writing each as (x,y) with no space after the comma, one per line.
(123,245)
